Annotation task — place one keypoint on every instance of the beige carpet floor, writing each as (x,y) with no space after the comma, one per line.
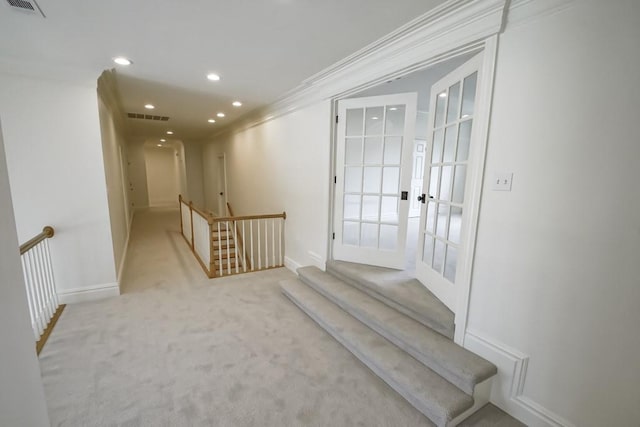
(178,349)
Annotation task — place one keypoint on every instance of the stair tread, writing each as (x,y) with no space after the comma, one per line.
(431,394)
(395,288)
(458,365)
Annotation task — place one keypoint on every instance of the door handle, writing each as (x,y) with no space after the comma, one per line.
(221,193)
(422,198)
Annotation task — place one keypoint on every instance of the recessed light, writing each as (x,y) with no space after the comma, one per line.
(237,104)
(159,145)
(169,132)
(211,121)
(374,118)
(149,106)
(163,140)
(121,60)
(443,95)
(393,108)
(213,77)
(220,114)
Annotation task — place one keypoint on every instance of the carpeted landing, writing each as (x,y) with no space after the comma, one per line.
(178,349)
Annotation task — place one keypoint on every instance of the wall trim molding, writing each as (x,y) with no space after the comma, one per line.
(508,389)
(123,259)
(88,293)
(453,28)
(522,12)
(291,264)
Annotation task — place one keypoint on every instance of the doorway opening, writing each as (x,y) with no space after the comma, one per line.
(166,172)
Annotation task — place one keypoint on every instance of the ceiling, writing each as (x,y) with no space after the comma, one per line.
(260,48)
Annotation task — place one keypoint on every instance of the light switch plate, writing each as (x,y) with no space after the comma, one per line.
(502,181)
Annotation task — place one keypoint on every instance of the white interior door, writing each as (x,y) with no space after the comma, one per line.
(222,185)
(373,174)
(444,217)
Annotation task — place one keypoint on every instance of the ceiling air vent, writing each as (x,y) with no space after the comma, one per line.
(27,6)
(147,117)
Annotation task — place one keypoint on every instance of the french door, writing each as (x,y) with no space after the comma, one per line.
(373,175)
(444,216)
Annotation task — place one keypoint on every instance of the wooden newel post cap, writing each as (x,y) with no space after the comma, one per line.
(48,231)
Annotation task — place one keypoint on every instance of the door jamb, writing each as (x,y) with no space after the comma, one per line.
(488,47)
(224,173)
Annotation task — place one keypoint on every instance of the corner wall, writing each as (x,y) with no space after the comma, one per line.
(22,401)
(281,165)
(56,171)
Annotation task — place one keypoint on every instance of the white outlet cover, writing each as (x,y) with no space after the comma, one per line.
(502,181)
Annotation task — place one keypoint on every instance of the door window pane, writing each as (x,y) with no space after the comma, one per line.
(354,121)
(389,209)
(370,208)
(372,179)
(469,95)
(455,224)
(369,236)
(388,237)
(351,233)
(438,256)
(373,121)
(431,216)
(373,150)
(391,180)
(392,150)
(352,206)
(395,120)
(464,139)
(434,182)
(451,264)
(454,101)
(442,217)
(445,183)
(427,252)
(450,144)
(458,184)
(353,151)
(441,101)
(353,179)
(438,141)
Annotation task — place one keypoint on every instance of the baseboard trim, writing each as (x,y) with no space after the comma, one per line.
(123,259)
(90,293)
(508,387)
(291,264)
(317,260)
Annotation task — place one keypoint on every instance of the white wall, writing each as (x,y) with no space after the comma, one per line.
(56,170)
(162,176)
(195,173)
(556,277)
(116,171)
(281,165)
(22,401)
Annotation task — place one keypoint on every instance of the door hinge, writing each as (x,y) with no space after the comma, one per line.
(335,179)
(336,119)
(333,236)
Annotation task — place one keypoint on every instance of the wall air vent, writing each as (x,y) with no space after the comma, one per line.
(29,6)
(147,117)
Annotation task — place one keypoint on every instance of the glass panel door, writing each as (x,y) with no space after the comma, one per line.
(447,161)
(373,169)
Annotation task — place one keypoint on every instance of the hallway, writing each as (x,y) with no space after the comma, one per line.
(178,349)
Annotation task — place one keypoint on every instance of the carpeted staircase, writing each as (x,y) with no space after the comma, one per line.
(401,331)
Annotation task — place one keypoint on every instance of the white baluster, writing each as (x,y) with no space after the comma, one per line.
(244,252)
(280,239)
(253,264)
(259,256)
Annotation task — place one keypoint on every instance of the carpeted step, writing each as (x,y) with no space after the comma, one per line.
(435,397)
(397,290)
(456,364)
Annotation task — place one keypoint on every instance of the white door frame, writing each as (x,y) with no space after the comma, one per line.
(489,48)
(222,158)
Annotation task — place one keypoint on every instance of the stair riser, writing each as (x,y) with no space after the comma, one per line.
(380,329)
(435,326)
(428,412)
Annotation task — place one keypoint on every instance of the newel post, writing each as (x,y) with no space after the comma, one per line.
(191,213)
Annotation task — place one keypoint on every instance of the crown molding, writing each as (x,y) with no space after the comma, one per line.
(108,92)
(457,26)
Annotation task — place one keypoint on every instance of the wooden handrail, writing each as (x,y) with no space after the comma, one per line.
(282,215)
(47,233)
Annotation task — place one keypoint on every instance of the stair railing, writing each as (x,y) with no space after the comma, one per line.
(233,244)
(44,308)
